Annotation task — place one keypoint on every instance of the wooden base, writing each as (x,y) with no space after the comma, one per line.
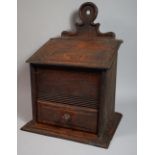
(76,135)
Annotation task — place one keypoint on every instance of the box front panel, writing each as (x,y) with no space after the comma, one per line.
(71,88)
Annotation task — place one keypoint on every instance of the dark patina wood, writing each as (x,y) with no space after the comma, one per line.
(73,80)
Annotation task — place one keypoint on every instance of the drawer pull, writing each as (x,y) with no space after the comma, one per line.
(66,117)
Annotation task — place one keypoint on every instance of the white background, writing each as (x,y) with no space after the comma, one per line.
(39,20)
(146,76)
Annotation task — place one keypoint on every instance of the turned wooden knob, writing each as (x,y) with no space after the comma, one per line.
(66,117)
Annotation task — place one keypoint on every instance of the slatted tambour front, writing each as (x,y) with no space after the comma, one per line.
(77,88)
(69,99)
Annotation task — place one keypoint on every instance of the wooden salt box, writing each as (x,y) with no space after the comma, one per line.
(73,80)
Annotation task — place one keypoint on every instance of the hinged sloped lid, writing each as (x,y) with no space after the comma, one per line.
(86,47)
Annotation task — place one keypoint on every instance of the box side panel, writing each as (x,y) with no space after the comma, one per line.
(107,98)
(33,91)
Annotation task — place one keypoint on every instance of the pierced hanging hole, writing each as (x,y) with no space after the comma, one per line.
(88,12)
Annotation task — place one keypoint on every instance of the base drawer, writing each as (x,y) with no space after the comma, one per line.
(63,115)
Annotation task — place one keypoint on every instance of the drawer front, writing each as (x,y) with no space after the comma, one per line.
(67,116)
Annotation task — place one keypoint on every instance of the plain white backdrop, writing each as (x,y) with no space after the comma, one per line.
(146,85)
(39,20)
